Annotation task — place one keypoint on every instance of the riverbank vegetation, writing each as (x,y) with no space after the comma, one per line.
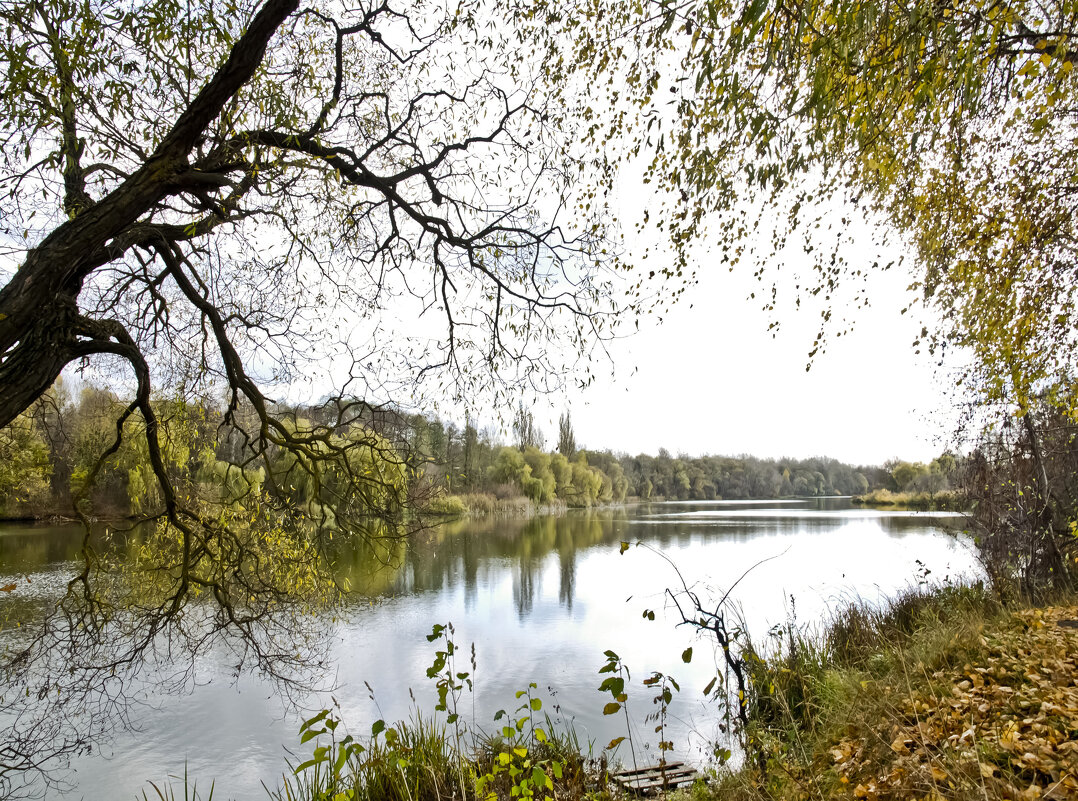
(438,467)
(946,500)
(942,694)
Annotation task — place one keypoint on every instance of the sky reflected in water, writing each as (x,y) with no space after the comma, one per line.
(541,600)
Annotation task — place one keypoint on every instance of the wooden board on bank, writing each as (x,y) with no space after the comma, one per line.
(655,778)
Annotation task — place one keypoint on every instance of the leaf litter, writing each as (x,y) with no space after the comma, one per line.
(1004,725)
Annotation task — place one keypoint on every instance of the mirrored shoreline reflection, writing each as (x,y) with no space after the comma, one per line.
(541,599)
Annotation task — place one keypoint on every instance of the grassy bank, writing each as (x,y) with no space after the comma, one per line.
(923,501)
(421,760)
(944,695)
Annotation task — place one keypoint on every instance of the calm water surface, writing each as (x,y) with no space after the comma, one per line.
(541,600)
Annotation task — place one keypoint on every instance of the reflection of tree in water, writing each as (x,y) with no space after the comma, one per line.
(534,542)
(524,585)
(567,574)
(469,559)
(464,546)
(567,544)
(447,554)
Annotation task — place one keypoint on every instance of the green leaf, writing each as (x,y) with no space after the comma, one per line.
(378,727)
(686,655)
(308,723)
(342,757)
(536,704)
(611,708)
(710,685)
(615,685)
(541,779)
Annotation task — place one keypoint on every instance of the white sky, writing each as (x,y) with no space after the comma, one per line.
(711,379)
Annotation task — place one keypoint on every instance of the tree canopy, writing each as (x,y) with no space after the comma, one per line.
(223,199)
(950,123)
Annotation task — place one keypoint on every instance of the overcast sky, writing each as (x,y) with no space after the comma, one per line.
(711,379)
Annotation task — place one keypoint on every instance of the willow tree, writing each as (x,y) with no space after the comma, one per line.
(219,198)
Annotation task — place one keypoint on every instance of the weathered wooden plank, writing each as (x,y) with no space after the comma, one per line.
(646,787)
(654,778)
(650,780)
(651,769)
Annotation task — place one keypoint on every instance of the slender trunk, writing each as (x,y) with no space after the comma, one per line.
(1047,513)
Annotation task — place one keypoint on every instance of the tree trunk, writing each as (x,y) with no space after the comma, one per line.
(1047,513)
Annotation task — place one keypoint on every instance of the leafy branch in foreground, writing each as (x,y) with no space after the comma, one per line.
(228,202)
(949,126)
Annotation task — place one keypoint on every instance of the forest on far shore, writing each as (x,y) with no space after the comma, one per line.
(48,458)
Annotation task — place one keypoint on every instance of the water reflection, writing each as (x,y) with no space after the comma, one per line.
(540,598)
(456,552)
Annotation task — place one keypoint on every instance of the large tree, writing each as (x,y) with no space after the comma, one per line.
(215,199)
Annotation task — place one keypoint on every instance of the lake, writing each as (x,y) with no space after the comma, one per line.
(541,600)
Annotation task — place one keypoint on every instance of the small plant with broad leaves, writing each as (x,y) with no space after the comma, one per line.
(449,682)
(519,756)
(614,685)
(665,686)
(326,767)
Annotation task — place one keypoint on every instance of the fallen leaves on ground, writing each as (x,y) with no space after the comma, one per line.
(1005,727)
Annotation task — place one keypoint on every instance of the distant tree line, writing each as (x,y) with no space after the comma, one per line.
(48,454)
(582,477)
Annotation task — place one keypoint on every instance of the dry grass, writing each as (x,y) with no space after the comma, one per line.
(937,501)
(943,696)
(483,504)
